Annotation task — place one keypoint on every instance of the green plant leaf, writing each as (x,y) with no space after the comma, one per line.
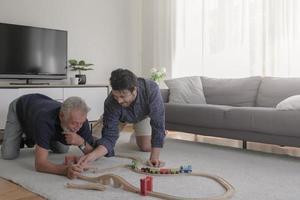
(73,62)
(90,64)
(82,62)
(81,65)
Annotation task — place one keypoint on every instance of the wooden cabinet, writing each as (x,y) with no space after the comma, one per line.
(94,95)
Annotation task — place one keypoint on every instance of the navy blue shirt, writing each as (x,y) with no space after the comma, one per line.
(39,118)
(148,103)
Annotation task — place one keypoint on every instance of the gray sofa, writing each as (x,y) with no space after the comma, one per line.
(242,109)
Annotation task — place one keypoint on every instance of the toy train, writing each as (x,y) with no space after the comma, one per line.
(153,170)
(134,164)
(181,169)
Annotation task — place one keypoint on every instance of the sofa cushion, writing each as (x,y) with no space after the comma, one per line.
(202,115)
(233,92)
(186,90)
(290,103)
(273,90)
(264,120)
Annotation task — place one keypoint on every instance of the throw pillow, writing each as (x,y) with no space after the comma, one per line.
(231,91)
(186,90)
(290,103)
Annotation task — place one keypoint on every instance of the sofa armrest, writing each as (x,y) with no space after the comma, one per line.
(165,94)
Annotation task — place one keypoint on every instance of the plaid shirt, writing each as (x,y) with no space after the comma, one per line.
(148,102)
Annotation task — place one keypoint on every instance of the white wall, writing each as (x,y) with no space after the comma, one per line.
(104,32)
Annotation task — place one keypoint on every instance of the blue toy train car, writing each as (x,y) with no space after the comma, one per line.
(185,169)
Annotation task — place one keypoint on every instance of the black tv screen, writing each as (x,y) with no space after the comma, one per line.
(32,53)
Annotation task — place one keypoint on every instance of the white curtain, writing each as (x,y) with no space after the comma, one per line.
(237,38)
(164,34)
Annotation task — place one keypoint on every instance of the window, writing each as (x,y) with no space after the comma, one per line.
(237,38)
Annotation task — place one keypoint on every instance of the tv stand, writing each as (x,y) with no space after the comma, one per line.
(29,82)
(94,96)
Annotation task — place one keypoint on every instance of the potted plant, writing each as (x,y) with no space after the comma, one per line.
(80,66)
(157,75)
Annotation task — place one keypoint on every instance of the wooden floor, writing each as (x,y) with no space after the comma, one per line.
(268,148)
(11,191)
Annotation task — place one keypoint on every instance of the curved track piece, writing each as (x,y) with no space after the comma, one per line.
(118,181)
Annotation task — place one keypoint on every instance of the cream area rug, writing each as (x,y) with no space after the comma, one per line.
(254,175)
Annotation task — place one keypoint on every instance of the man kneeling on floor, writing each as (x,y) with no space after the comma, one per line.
(132,100)
(49,125)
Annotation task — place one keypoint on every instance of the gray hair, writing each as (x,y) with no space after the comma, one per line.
(74,103)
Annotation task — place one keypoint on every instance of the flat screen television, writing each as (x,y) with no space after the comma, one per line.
(32,53)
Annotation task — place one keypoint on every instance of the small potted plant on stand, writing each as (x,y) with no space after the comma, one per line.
(158,75)
(80,66)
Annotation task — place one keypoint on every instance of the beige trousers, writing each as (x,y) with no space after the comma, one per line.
(142,128)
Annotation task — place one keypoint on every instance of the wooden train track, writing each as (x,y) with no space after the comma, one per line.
(98,183)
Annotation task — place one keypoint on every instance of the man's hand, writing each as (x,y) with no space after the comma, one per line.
(43,165)
(71,159)
(73,171)
(73,138)
(154,158)
(85,160)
